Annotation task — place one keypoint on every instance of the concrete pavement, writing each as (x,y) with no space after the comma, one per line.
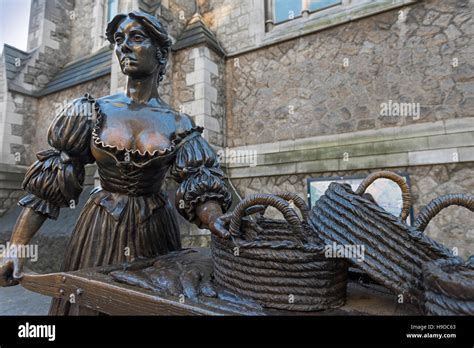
(16,300)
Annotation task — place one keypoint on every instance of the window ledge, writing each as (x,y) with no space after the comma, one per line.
(324,19)
(410,145)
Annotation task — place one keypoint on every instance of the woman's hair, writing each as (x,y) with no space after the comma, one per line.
(153,27)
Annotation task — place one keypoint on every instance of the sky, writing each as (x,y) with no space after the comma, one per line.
(14,19)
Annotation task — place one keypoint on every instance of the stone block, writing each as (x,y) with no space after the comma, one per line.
(17,130)
(204,63)
(416,158)
(205,91)
(316,166)
(375,161)
(10,185)
(452,140)
(200,52)
(247,172)
(466,154)
(198,76)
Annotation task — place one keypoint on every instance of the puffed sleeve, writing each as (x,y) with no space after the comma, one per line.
(198,171)
(55,180)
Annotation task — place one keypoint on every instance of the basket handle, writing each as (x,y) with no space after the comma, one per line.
(264,199)
(289,197)
(297,200)
(399,180)
(438,204)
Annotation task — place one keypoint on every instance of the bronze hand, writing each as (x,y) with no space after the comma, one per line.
(210,214)
(27,224)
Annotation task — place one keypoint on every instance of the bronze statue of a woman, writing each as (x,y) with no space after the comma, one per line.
(135,138)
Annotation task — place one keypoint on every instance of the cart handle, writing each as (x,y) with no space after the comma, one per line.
(438,204)
(399,180)
(268,200)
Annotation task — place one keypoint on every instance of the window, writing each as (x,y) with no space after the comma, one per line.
(112,9)
(286,9)
(315,5)
(289,19)
(283,10)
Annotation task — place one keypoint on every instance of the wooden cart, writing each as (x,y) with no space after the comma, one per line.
(97,290)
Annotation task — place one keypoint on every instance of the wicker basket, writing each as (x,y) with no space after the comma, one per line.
(449,283)
(394,251)
(278,263)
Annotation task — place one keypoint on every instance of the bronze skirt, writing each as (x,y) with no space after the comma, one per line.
(114,228)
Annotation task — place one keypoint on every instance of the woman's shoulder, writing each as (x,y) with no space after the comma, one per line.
(112,98)
(79,106)
(70,130)
(184,124)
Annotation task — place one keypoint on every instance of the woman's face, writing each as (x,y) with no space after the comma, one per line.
(135,49)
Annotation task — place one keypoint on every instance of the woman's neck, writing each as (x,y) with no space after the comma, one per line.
(143,89)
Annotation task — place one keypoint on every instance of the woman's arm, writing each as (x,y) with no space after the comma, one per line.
(202,196)
(52,182)
(27,224)
(11,265)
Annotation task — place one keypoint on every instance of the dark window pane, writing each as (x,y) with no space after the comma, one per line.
(287,9)
(315,5)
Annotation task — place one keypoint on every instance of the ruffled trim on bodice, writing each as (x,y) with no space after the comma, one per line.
(56,179)
(136,156)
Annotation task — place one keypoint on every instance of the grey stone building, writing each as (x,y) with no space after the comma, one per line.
(310,89)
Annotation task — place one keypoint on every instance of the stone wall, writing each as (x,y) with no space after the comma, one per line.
(176,15)
(218,106)
(23,111)
(54,31)
(35,23)
(17,126)
(452,227)
(11,177)
(3,96)
(82,27)
(199,90)
(234,22)
(173,87)
(335,81)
